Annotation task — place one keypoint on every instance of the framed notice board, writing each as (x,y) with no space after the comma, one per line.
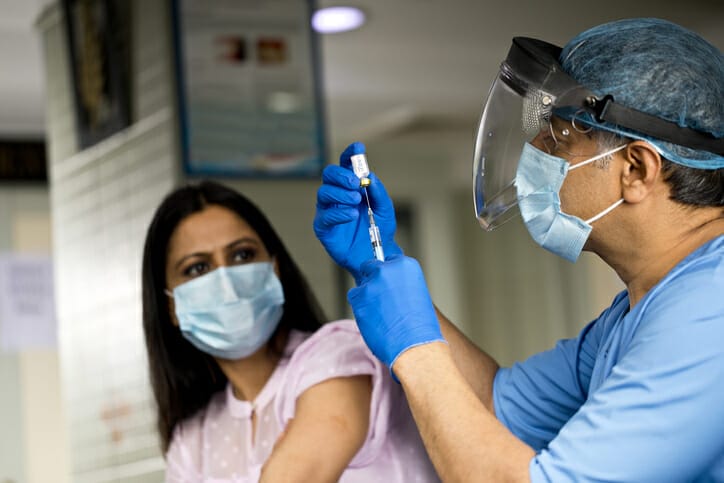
(249,88)
(98,33)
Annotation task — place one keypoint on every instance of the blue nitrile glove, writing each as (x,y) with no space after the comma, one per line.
(393,308)
(341,222)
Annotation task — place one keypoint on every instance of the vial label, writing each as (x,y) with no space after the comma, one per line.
(359,165)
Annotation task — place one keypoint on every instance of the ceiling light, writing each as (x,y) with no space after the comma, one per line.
(337,19)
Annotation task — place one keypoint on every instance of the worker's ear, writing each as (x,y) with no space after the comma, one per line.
(641,171)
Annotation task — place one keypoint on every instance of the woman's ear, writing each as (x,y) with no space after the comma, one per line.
(641,171)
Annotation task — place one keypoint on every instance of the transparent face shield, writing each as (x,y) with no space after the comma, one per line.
(519,109)
(500,137)
(533,100)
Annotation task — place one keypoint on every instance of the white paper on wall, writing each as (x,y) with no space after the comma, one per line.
(27,306)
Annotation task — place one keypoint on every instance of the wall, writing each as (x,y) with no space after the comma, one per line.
(33,447)
(102,200)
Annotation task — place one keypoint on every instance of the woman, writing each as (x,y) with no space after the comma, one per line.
(249,385)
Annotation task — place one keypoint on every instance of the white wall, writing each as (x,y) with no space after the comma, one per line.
(33,442)
(509,295)
(102,200)
(12,439)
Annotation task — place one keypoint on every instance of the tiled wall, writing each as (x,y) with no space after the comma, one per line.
(101,201)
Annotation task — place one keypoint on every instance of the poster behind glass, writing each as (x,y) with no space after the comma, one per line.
(98,33)
(249,88)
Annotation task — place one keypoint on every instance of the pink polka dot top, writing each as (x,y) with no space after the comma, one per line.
(216,444)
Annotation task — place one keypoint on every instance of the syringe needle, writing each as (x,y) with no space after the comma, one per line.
(369,208)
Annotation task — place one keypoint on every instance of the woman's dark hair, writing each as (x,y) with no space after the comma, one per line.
(182,377)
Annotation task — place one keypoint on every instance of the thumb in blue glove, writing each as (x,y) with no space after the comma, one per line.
(341,221)
(393,309)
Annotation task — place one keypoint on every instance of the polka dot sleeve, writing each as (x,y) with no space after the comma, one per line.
(182,458)
(338,350)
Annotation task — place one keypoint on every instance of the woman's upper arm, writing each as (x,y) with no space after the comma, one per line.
(329,427)
(180,465)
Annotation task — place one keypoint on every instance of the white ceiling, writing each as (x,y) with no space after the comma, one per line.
(22,99)
(415,61)
(432,61)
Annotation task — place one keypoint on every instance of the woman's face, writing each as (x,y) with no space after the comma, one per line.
(208,239)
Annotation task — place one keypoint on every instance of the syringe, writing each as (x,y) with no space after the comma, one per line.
(375,236)
(362,170)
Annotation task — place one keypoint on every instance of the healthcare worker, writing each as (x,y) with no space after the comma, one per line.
(613,144)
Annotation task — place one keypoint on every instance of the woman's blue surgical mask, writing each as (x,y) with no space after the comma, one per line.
(538,180)
(230,312)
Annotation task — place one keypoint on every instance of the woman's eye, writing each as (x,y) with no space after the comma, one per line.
(196,269)
(244,255)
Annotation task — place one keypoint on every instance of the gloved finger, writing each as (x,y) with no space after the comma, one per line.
(393,258)
(354,148)
(356,294)
(379,199)
(368,269)
(393,263)
(329,194)
(339,176)
(334,216)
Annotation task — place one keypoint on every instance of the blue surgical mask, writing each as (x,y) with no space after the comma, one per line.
(537,181)
(230,312)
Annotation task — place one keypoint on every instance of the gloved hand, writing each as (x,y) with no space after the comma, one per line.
(393,308)
(341,222)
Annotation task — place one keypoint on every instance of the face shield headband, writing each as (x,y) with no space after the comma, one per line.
(530,87)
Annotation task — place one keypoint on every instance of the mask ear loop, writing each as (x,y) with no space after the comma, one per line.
(596,158)
(604,212)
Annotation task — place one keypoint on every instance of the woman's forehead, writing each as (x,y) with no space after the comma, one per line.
(209,229)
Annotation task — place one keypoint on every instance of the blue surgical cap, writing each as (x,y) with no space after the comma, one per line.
(657,67)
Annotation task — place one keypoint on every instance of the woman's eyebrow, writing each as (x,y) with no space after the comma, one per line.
(245,239)
(229,246)
(186,257)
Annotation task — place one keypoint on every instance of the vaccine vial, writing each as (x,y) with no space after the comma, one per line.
(360,168)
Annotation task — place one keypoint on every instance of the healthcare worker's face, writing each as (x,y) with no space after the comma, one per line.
(208,239)
(590,189)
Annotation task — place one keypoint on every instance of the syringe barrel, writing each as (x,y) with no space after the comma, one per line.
(376,240)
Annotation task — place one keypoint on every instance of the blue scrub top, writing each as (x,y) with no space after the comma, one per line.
(638,396)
